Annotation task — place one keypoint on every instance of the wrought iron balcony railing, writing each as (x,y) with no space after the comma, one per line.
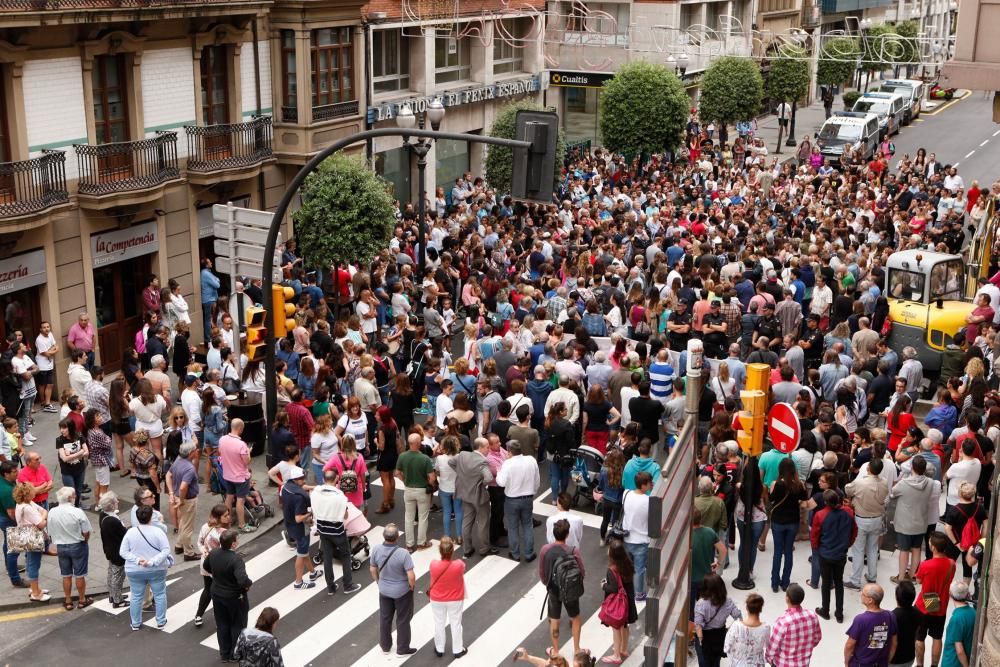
(128,165)
(31,186)
(332,111)
(217,147)
(70,5)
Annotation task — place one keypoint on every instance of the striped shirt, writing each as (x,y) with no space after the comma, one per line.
(661,380)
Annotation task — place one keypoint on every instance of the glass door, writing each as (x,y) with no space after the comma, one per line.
(215,101)
(111,117)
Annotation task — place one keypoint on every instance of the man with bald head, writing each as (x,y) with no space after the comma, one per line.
(872,637)
(417,472)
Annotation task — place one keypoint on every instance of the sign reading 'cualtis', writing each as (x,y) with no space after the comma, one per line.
(453,98)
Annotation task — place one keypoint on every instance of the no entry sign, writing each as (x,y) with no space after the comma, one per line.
(783,425)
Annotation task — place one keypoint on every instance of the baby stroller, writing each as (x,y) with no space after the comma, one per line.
(256,509)
(357,526)
(586,473)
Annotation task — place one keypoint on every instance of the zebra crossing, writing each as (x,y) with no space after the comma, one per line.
(503,607)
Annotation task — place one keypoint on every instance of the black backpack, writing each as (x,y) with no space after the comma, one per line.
(567,578)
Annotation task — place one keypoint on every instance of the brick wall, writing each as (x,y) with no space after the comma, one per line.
(248,85)
(168,92)
(53,105)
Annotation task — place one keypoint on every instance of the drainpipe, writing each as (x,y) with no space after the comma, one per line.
(258,95)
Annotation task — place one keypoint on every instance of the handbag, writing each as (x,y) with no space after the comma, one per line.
(614,608)
(25,539)
(615,530)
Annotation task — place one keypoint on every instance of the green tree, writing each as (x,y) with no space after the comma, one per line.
(838,61)
(880,47)
(500,159)
(347,213)
(910,52)
(732,89)
(644,109)
(788,77)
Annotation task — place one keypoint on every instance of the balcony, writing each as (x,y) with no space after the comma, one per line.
(31,187)
(335,111)
(129,172)
(68,5)
(235,150)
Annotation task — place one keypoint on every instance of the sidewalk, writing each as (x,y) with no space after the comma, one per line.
(808,121)
(46,430)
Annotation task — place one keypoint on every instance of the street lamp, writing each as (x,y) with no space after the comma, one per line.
(406,119)
(682,64)
(672,63)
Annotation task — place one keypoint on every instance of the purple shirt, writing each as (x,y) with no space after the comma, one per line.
(873,631)
(182,470)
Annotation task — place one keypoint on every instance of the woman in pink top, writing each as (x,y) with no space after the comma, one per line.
(347,459)
(447,594)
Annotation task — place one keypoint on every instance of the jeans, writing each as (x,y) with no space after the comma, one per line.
(76,481)
(558,478)
(305,461)
(784,543)
(638,552)
(10,557)
(450,504)
(611,512)
(336,547)
(317,472)
(520,530)
(230,620)
(866,545)
(157,582)
(756,530)
(206,318)
(832,572)
(417,507)
(402,609)
(814,569)
(24,414)
(445,614)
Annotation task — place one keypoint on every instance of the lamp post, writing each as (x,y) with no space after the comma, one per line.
(406,119)
(682,64)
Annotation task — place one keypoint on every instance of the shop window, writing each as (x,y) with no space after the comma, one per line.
(394,166)
(452,59)
(332,55)
(390,61)
(21,313)
(508,45)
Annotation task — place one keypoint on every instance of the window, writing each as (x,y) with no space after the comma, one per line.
(508,45)
(289,85)
(214,85)
(907,285)
(110,104)
(332,66)
(452,59)
(5,155)
(946,280)
(390,61)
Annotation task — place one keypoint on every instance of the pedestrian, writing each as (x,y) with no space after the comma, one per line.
(907,620)
(112,533)
(873,635)
(69,529)
(37,475)
(295,505)
(560,440)
(257,646)
(396,579)
(25,369)
(785,495)
(389,446)
(758,518)
(520,480)
(447,595)
(635,524)
(619,577)
(209,295)
(747,639)
(868,494)
(235,457)
(145,466)
(8,506)
(561,571)
(417,472)
(146,552)
(121,429)
(911,518)
(609,486)
(955,520)
(644,462)
(934,576)
(324,445)
(496,457)
(230,584)
(81,337)
(209,538)
(564,503)
(148,408)
(73,454)
(472,477)
(182,485)
(448,449)
(352,472)
(833,532)
(708,552)
(961,629)
(795,634)
(329,506)
(713,608)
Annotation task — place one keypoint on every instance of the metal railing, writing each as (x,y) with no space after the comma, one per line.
(289,114)
(31,186)
(234,145)
(332,111)
(128,165)
(63,5)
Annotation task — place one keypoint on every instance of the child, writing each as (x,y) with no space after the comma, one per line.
(448,313)
(10,443)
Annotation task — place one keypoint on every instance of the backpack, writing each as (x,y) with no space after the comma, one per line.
(348,478)
(215,479)
(970,532)
(567,578)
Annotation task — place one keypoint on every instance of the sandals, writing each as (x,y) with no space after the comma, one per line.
(85,602)
(68,604)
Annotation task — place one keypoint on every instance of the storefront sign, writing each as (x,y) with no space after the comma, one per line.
(579,79)
(22,271)
(454,98)
(120,244)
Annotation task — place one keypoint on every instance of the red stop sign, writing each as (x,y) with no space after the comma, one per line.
(783,425)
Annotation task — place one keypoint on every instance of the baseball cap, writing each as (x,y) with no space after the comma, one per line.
(296,473)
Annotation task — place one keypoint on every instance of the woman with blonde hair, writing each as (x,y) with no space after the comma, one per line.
(29,513)
(148,409)
(723,385)
(470,346)
(447,596)
(324,444)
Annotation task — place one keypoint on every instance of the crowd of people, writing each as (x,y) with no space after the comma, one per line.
(481,367)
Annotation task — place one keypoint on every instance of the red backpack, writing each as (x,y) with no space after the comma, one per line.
(970,532)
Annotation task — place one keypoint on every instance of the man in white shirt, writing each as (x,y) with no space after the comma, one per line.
(563,502)
(563,394)
(966,469)
(519,478)
(444,404)
(25,370)
(191,402)
(227,331)
(822,298)
(953,182)
(78,374)
(635,522)
(46,349)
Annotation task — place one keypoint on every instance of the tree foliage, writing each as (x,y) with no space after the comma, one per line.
(732,89)
(644,109)
(788,75)
(879,48)
(837,61)
(910,52)
(500,159)
(347,213)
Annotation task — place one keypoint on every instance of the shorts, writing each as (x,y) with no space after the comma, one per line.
(103,475)
(905,542)
(238,489)
(555,607)
(121,428)
(301,543)
(929,625)
(44,377)
(73,559)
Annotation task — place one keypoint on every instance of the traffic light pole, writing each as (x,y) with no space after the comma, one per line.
(751,439)
(281,211)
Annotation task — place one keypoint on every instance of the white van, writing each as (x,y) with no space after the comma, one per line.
(860,131)
(912,90)
(889,107)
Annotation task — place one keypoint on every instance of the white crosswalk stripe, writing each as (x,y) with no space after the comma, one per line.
(105,604)
(594,636)
(516,623)
(544,506)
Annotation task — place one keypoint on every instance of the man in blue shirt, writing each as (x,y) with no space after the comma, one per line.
(209,295)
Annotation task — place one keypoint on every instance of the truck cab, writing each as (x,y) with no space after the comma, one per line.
(926,304)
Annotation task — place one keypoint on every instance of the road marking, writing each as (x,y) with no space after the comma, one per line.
(996,133)
(540,506)
(984,143)
(968,154)
(948,104)
(521,619)
(595,636)
(956,165)
(479,580)
(33,614)
(326,632)
(105,604)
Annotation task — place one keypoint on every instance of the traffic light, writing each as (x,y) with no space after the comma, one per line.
(256,333)
(283,309)
(751,418)
(533,176)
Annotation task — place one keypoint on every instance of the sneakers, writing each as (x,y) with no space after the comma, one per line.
(640,597)
(301,585)
(28,440)
(353,588)
(198,620)
(45,598)
(248,528)
(51,407)
(316,574)
(822,613)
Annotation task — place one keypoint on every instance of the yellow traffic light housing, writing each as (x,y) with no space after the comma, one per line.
(751,434)
(283,307)
(256,333)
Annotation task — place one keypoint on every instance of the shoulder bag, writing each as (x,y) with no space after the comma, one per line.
(931,600)
(614,608)
(437,578)
(25,539)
